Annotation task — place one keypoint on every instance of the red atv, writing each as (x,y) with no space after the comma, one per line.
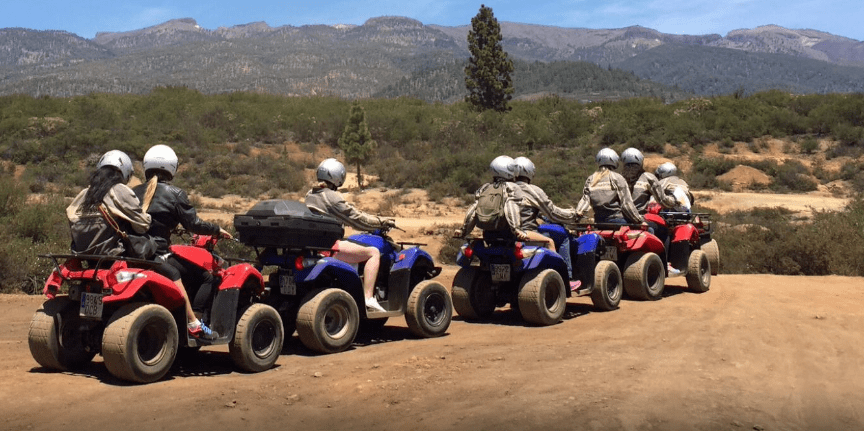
(135,318)
(691,251)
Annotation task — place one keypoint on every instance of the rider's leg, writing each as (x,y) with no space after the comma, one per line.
(350,252)
(535,236)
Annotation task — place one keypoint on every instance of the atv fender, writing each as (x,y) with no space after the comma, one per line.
(588,243)
(655,218)
(163,291)
(646,242)
(685,232)
(238,275)
(343,274)
(546,259)
(195,255)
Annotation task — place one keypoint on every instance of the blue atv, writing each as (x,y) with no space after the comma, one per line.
(497,269)
(317,294)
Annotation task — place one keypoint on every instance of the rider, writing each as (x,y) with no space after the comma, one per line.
(676,190)
(536,201)
(91,233)
(503,174)
(643,185)
(170,206)
(324,199)
(607,193)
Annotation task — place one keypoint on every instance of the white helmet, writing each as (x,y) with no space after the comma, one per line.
(119,160)
(524,167)
(332,171)
(666,170)
(161,157)
(503,167)
(632,155)
(607,157)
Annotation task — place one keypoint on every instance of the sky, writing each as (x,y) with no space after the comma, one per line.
(87,17)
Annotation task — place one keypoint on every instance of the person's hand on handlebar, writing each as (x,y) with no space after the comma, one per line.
(224,234)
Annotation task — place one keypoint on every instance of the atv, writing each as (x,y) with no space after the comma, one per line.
(691,251)
(317,294)
(135,318)
(497,270)
(609,257)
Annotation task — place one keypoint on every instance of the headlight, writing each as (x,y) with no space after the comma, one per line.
(127,276)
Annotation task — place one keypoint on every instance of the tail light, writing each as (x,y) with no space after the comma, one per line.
(518,251)
(301,262)
(468,252)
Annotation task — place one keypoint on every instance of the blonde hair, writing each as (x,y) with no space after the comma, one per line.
(601,173)
(148,194)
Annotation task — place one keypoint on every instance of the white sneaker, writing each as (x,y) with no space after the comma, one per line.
(672,271)
(372,304)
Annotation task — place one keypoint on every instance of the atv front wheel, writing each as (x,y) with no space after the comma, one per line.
(608,287)
(430,309)
(472,294)
(258,339)
(328,320)
(698,272)
(644,276)
(140,342)
(54,338)
(542,298)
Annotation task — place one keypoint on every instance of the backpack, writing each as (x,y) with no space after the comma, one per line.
(490,208)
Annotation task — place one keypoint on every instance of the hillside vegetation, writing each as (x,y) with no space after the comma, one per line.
(235,144)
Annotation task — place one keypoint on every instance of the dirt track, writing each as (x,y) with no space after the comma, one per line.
(755,352)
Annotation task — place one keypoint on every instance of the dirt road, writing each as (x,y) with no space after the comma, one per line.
(754,352)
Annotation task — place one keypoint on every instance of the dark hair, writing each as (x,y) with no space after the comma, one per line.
(101,181)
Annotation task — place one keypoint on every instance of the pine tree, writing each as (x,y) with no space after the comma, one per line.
(487,76)
(356,141)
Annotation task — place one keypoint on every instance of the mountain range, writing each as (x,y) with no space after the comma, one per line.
(396,56)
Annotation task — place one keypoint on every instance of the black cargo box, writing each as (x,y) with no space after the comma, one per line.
(286,224)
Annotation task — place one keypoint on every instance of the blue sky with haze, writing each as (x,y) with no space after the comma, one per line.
(87,17)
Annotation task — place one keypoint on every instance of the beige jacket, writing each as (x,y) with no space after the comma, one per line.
(607,193)
(647,187)
(534,202)
(91,233)
(327,201)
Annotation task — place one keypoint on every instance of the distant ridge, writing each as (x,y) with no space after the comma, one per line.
(361,61)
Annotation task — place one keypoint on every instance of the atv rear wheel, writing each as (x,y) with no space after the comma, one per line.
(430,309)
(542,298)
(713,251)
(328,320)
(644,276)
(608,287)
(140,342)
(258,339)
(472,294)
(698,272)
(54,339)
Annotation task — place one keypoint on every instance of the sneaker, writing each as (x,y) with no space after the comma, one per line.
(373,305)
(672,271)
(202,331)
(575,285)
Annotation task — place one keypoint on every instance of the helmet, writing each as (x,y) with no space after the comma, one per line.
(632,155)
(332,171)
(161,157)
(119,160)
(665,170)
(607,157)
(524,167)
(504,167)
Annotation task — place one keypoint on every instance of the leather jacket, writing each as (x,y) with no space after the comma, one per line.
(170,206)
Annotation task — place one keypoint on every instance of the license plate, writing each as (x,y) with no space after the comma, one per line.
(91,305)
(500,272)
(287,285)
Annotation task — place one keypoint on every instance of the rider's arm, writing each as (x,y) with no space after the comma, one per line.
(188,217)
(348,214)
(627,205)
(585,203)
(541,201)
